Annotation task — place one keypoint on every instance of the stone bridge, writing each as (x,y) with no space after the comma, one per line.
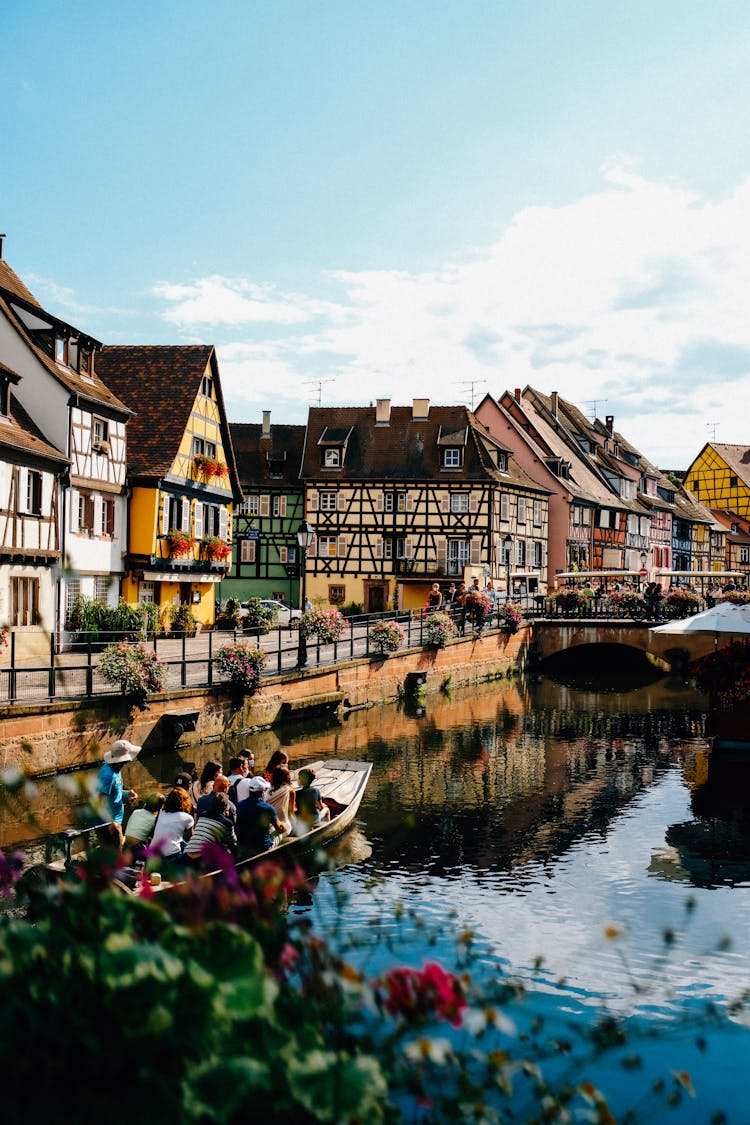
(560,635)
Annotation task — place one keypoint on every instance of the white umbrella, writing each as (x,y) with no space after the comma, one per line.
(723,619)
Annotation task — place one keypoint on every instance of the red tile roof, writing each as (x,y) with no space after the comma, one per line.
(274,461)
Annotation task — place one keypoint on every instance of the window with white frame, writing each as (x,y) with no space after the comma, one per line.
(203,448)
(520,552)
(106,517)
(744,554)
(459,502)
(387,501)
(387,548)
(101,588)
(632,524)
(279,506)
(400,501)
(538,554)
(72,591)
(100,432)
(521,509)
(327,546)
(207,386)
(30,492)
(400,548)
(327,501)
(605,517)
(459,551)
(250,506)
(332,458)
(452,457)
(586,517)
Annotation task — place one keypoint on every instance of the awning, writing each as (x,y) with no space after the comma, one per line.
(180,576)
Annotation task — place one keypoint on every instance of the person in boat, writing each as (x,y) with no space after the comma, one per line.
(109,781)
(204,784)
(239,777)
(141,822)
(278,758)
(215,827)
(258,828)
(281,796)
(250,759)
(174,825)
(310,808)
(221,785)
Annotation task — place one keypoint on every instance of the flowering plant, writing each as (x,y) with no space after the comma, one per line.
(242,665)
(627,603)
(134,668)
(180,543)
(569,602)
(736,597)
(725,673)
(328,625)
(513,616)
(218,550)
(181,619)
(440,629)
(207,467)
(3,638)
(387,636)
(479,600)
(418,996)
(681,603)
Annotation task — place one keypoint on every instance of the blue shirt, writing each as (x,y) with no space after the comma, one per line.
(109,784)
(255,818)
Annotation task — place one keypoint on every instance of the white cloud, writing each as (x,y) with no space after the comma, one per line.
(635,296)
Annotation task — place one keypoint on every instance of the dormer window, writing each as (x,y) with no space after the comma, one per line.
(84,363)
(333,443)
(332,458)
(61,350)
(452,458)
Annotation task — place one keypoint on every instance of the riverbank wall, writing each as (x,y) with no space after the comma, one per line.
(45,738)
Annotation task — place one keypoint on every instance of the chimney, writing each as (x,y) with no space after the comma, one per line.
(517,394)
(420,410)
(382,411)
(609,421)
(553,403)
(2,244)
(266,427)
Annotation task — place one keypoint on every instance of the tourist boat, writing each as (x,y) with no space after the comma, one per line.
(342,784)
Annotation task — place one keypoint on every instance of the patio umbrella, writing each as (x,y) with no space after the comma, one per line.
(722,619)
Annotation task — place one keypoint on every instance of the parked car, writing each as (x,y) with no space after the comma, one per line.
(286,617)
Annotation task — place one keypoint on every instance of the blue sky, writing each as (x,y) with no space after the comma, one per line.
(398,199)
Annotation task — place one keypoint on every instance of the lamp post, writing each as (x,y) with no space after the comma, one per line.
(644,556)
(305,534)
(507,544)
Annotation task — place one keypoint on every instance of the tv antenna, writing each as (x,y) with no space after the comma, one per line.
(319,383)
(593,405)
(712,426)
(470,384)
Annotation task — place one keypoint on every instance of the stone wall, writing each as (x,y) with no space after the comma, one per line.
(43,738)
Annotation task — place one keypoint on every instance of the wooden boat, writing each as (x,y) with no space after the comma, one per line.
(342,784)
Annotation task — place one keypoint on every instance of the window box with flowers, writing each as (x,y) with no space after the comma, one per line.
(179,543)
(510,617)
(242,666)
(207,467)
(386,636)
(215,549)
(681,603)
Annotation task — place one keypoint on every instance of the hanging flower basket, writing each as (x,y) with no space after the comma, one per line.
(328,625)
(511,617)
(208,467)
(439,629)
(133,668)
(242,666)
(215,549)
(386,636)
(180,543)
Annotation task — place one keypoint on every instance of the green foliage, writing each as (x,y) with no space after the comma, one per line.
(242,665)
(352,609)
(94,621)
(133,668)
(181,619)
(386,636)
(259,616)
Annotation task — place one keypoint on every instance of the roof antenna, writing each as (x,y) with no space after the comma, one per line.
(593,404)
(712,426)
(470,384)
(319,383)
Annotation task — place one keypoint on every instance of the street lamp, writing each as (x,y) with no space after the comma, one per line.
(305,536)
(644,556)
(507,544)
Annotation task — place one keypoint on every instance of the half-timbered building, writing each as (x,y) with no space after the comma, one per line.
(719,477)
(77,413)
(265,552)
(406,496)
(30,474)
(181,474)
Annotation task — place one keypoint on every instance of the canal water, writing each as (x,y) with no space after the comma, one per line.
(581,832)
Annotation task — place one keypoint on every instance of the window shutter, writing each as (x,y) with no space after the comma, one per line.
(74,516)
(223,522)
(445,502)
(408,547)
(282,506)
(441,546)
(247,550)
(504,507)
(473,502)
(379,501)
(283,554)
(185,522)
(476,551)
(312,500)
(110,512)
(164,514)
(340,501)
(342,542)
(265,505)
(409,502)
(312,550)
(198,519)
(97,522)
(378,544)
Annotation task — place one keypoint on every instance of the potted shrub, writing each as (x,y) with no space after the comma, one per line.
(180,543)
(328,625)
(229,616)
(242,665)
(439,629)
(181,620)
(258,617)
(133,668)
(386,636)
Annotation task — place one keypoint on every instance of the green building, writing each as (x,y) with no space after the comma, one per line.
(265,555)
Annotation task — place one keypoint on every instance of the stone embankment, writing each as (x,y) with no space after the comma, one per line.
(46,737)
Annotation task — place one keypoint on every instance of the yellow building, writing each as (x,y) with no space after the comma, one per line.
(181,475)
(719,477)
